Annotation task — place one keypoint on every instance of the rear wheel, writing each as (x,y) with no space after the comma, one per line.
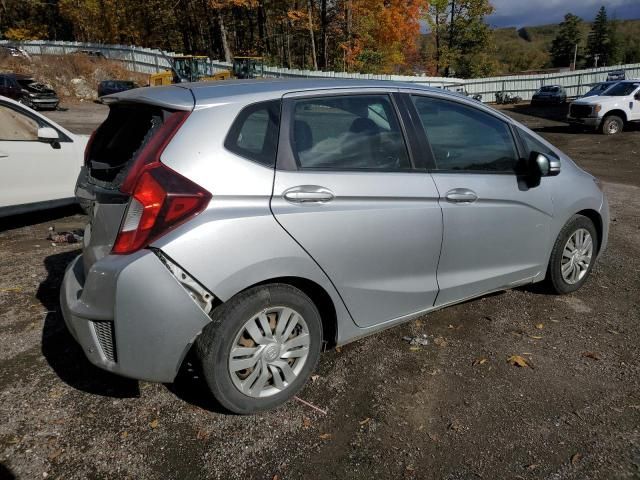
(612,125)
(573,255)
(260,347)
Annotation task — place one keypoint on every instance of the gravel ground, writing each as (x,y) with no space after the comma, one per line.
(454,409)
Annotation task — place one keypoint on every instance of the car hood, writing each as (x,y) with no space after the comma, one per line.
(35,87)
(600,99)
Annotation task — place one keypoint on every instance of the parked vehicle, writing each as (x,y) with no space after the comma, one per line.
(599,88)
(616,75)
(107,87)
(27,91)
(463,91)
(610,111)
(13,51)
(261,222)
(505,98)
(39,160)
(550,94)
(89,53)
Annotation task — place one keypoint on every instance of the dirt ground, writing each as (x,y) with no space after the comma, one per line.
(454,409)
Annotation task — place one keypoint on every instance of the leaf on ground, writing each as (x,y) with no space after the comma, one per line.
(592,355)
(202,435)
(518,361)
(540,326)
(338,349)
(480,361)
(325,436)
(535,337)
(575,458)
(365,421)
(441,342)
(414,349)
(314,377)
(533,466)
(306,422)
(124,435)
(154,423)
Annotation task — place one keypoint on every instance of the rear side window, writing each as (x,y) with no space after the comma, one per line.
(254,133)
(350,132)
(464,138)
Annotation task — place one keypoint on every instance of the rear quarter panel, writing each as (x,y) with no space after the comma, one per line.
(236,242)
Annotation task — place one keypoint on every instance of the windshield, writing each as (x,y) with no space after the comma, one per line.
(621,89)
(549,89)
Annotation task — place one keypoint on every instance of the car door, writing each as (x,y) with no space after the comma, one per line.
(346,189)
(495,226)
(32,170)
(634,106)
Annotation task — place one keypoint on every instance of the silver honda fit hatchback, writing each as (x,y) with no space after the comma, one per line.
(260,222)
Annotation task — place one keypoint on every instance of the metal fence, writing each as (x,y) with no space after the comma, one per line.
(148,60)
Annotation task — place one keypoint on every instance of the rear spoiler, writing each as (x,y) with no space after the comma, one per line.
(169,97)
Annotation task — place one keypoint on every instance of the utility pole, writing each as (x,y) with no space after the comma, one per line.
(596,57)
(575,57)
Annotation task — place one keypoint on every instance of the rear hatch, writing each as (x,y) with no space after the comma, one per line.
(135,124)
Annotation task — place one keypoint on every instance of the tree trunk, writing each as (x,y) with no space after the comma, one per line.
(451,35)
(313,40)
(223,34)
(323,29)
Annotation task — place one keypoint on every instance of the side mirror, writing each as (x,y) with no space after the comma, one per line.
(541,165)
(48,135)
(637,97)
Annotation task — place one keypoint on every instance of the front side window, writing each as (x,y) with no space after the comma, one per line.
(532,144)
(350,132)
(15,126)
(464,138)
(254,134)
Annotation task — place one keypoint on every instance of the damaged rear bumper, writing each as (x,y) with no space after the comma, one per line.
(130,315)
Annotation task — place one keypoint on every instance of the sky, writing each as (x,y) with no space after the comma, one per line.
(520,13)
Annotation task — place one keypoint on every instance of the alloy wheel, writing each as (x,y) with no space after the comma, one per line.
(576,256)
(269,352)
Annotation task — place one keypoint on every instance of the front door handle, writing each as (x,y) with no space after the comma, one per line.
(461,195)
(308,194)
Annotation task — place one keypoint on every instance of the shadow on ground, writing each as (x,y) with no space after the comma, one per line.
(548,112)
(190,386)
(64,355)
(5,473)
(33,218)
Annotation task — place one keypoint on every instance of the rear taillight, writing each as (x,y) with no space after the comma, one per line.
(161,200)
(152,150)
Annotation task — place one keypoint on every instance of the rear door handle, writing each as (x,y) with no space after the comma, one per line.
(3,155)
(461,195)
(308,194)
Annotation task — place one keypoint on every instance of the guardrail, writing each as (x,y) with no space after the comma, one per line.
(149,60)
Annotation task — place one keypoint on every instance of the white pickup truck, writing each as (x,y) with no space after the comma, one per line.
(610,111)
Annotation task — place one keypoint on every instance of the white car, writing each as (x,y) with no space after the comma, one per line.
(39,160)
(610,111)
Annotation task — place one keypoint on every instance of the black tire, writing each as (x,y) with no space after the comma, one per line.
(554,278)
(612,125)
(213,347)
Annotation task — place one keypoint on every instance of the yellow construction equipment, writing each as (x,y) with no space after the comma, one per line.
(197,68)
(186,68)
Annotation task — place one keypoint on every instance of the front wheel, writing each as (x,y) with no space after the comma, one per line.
(612,125)
(260,347)
(573,255)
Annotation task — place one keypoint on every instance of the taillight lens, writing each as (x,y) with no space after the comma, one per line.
(161,200)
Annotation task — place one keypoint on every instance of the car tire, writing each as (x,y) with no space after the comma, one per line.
(568,266)
(612,125)
(226,341)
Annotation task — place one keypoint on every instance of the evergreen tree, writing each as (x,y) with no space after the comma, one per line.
(601,42)
(563,46)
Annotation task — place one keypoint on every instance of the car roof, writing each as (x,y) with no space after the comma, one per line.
(210,92)
(205,94)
